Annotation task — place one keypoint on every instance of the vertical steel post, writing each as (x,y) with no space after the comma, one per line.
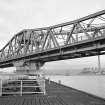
(49,80)
(20,87)
(99,65)
(44,87)
(1,87)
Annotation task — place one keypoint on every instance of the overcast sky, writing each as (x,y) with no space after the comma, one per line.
(16,15)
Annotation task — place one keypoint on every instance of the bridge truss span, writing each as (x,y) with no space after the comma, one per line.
(79,38)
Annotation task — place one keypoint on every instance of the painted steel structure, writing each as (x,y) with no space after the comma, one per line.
(79,38)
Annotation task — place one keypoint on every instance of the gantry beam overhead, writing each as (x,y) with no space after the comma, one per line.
(78,38)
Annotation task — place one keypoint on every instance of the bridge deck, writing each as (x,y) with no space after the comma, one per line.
(56,95)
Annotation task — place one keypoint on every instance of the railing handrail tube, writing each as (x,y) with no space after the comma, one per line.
(20,86)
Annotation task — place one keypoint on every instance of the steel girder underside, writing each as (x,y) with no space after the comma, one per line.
(79,38)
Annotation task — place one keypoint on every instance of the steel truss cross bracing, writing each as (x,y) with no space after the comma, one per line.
(78,38)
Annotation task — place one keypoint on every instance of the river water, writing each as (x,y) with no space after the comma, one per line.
(94,84)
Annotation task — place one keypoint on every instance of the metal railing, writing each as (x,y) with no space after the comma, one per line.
(37,87)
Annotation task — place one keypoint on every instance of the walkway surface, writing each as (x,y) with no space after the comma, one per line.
(56,95)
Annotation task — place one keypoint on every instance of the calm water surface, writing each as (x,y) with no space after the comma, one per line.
(91,84)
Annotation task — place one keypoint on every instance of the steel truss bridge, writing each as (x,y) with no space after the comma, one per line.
(79,38)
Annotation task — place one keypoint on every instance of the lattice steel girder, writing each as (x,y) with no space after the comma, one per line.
(35,41)
(81,19)
(76,50)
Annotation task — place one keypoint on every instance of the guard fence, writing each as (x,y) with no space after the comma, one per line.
(28,86)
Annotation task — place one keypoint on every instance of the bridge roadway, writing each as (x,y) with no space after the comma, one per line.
(57,94)
(79,38)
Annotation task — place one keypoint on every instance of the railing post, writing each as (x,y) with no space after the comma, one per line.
(44,87)
(21,87)
(59,81)
(1,87)
(49,80)
(99,64)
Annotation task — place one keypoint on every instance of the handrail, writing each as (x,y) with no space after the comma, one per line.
(21,87)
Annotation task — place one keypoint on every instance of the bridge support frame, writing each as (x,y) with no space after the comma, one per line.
(32,68)
(28,68)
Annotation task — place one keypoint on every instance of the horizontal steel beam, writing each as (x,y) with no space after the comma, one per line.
(65,52)
(42,42)
(61,25)
(74,21)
